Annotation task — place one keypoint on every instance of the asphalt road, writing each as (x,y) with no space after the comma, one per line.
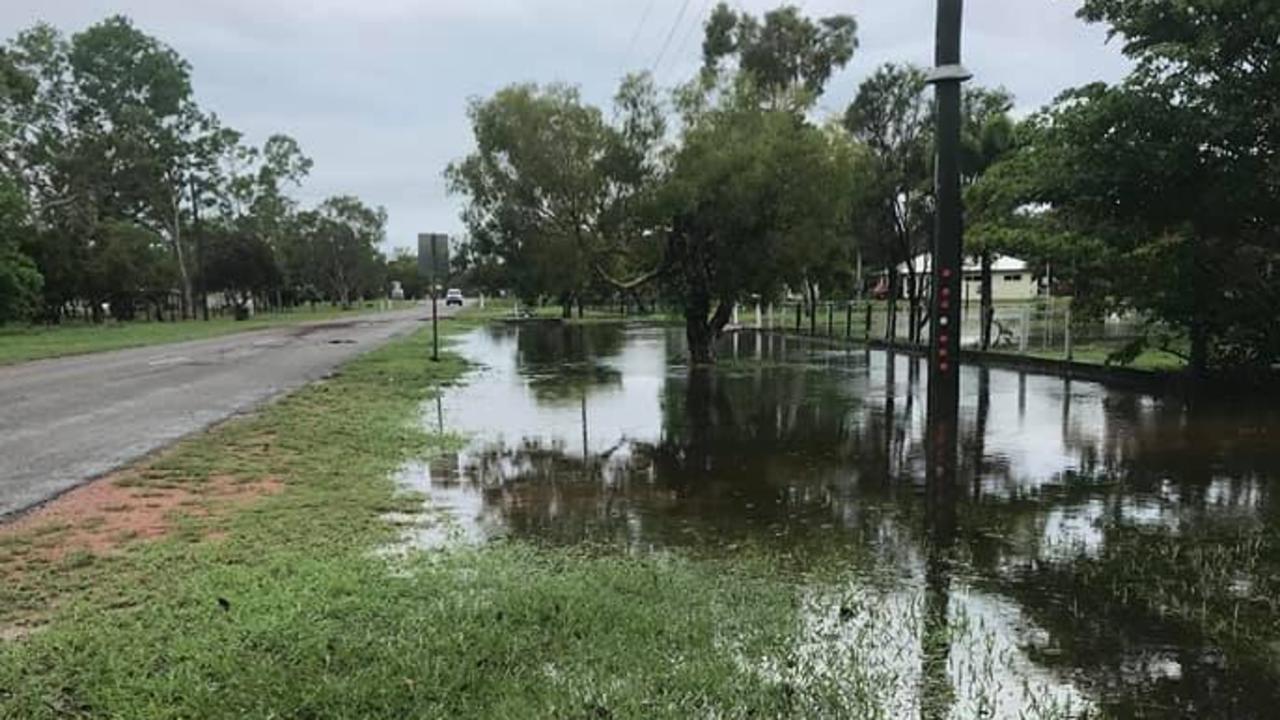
(66,421)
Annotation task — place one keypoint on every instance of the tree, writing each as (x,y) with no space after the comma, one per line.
(891,117)
(342,235)
(241,266)
(20,280)
(127,263)
(135,107)
(403,268)
(541,188)
(788,57)
(1177,171)
(987,136)
(745,209)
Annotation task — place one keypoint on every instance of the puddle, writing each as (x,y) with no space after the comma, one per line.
(1069,496)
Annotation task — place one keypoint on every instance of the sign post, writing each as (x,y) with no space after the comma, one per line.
(433,264)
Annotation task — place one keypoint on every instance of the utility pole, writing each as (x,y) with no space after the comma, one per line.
(944,366)
(948,266)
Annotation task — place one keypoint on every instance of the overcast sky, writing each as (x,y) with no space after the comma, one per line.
(376,90)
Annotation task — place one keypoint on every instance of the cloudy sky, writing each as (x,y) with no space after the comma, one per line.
(376,90)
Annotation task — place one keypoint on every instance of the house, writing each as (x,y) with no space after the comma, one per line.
(1011,279)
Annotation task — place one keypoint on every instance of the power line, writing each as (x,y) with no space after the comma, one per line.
(684,42)
(670,35)
(635,34)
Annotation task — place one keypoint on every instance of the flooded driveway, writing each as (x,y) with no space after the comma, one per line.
(1102,549)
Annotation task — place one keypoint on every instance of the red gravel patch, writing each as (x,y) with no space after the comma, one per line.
(104,515)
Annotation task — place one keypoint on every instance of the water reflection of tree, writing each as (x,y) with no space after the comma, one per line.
(1150,616)
(563,362)
(779,453)
(741,457)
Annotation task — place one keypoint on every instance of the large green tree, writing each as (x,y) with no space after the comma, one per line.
(553,189)
(137,116)
(751,193)
(891,117)
(1176,170)
(342,236)
(789,57)
(987,137)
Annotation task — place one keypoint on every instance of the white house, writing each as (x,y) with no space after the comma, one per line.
(1011,278)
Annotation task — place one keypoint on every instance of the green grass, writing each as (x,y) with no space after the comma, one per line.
(22,344)
(317,623)
(1097,354)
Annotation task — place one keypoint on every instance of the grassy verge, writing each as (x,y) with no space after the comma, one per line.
(285,607)
(21,344)
(1097,354)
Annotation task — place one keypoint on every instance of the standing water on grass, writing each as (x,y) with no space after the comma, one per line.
(1102,550)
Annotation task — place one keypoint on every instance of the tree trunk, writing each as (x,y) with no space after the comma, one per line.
(702,328)
(913,303)
(891,319)
(1199,360)
(986,308)
(813,307)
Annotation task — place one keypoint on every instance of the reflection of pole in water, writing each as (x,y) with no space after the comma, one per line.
(1066,407)
(1022,396)
(890,382)
(439,410)
(586,451)
(980,429)
(941,450)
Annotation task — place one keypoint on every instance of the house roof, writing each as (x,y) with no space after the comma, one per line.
(999,264)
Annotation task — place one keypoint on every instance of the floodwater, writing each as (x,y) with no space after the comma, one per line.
(1101,550)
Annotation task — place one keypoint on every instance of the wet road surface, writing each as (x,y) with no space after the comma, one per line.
(68,420)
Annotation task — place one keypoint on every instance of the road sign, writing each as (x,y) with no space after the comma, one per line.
(433,264)
(433,258)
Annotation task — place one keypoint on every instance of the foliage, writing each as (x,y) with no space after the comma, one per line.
(239,265)
(788,57)
(552,187)
(20,281)
(1174,172)
(341,242)
(747,198)
(102,138)
(756,198)
(892,117)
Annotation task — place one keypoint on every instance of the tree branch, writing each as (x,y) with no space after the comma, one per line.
(633,283)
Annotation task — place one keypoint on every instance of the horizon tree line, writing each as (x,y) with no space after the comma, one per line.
(119,194)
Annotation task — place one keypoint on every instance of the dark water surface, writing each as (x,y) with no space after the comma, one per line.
(1103,550)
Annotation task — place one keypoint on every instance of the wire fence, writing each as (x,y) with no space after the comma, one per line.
(1045,327)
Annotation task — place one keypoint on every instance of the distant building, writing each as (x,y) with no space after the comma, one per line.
(1011,278)
(397,290)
